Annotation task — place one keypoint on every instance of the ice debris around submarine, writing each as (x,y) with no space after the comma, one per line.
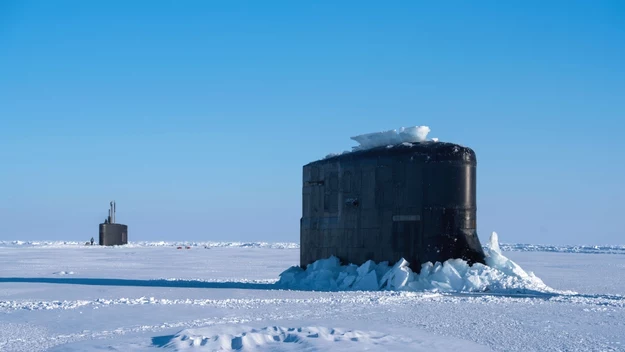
(500,275)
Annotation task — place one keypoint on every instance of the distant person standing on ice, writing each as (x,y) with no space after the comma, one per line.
(92,241)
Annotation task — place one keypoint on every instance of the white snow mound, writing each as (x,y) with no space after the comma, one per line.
(413,134)
(255,339)
(311,338)
(64,273)
(500,275)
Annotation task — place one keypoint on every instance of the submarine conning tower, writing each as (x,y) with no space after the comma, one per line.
(112,233)
(415,201)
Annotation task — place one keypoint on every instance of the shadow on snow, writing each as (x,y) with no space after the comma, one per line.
(141,283)
(276,286)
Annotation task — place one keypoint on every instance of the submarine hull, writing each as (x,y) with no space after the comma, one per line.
(416,202)
(113,234)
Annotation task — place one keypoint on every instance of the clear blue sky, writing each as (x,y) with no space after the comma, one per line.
(197,116)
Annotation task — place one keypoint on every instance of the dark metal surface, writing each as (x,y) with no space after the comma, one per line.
(416,202)
(113,234)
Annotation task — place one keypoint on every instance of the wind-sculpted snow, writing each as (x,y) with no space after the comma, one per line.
(332,299)
(229,303)
(500,275)
(311,338)
(250,338)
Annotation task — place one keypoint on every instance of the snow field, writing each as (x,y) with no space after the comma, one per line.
(149,298)
(134,244)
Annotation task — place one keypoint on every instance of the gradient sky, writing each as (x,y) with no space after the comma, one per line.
(197,116)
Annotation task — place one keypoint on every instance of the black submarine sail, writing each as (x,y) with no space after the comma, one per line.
(412,200)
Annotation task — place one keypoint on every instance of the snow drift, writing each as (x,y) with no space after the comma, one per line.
(308,338)
(269,338)
(500,275)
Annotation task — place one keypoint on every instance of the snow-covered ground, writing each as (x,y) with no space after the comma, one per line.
(69,297)
(210,244)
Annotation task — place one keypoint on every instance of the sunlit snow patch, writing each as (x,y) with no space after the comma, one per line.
(500,275)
